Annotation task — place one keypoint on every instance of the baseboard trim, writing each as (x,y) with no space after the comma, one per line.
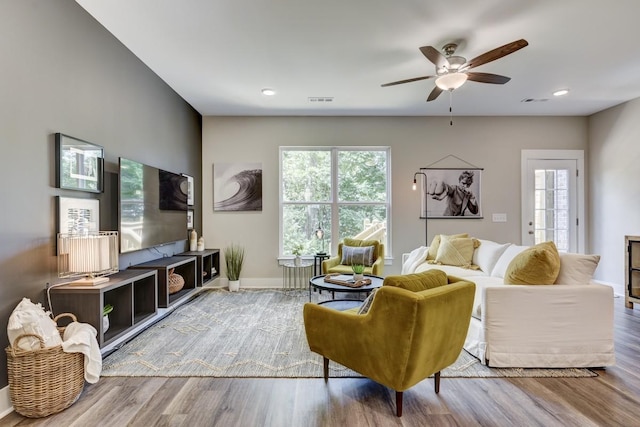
(5,402)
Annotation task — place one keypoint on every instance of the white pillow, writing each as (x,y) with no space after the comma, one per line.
(487,254)
(30,318)
(505,259)
(577,269)
(416,257)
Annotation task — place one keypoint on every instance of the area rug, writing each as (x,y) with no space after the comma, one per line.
(254,334)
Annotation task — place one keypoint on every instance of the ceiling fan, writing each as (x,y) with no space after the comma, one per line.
(453,71)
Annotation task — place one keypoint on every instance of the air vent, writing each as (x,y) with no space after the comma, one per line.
(321,99)
(534,100)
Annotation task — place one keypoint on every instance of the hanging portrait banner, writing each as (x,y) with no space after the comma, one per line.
(451,193)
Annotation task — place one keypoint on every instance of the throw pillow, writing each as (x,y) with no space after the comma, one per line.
(456,251)
(435,244)
(537,265)
(487,254)
(364,308)
(503,262)
(577,269)
(357,255)
(418,281)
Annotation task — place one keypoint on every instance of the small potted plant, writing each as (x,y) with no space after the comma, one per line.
(234,258)
(297,251)
(108,308)
(358,272)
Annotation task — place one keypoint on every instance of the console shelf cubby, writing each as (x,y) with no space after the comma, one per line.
(185,266)
(208,265)
(132,293)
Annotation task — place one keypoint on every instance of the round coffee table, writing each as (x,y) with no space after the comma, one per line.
(318,283)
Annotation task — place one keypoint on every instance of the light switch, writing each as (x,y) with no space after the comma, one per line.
(499,217)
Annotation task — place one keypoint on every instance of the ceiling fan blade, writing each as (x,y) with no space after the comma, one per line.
(494,54)
(399,82)
(434,94)
(488,78)
(433,55)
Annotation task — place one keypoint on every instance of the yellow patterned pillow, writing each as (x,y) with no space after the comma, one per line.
(435,244)
(456,251)
(537,265)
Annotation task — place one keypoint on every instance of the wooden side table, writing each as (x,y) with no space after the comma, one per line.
(296,276)
(317,263)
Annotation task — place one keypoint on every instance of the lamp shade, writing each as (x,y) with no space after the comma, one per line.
(451,81)
(89,254)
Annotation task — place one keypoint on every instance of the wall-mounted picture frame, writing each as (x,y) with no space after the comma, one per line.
(78,216)
(190,189)
(237,187)
(190,219)
(451,193)
(79,164)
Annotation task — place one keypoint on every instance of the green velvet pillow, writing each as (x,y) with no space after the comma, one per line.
(418,281)
(537,265)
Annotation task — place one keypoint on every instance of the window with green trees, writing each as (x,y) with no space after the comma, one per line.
(329,193)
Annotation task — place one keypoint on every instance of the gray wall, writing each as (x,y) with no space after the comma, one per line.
(493,143)
(614,136)
(63,72)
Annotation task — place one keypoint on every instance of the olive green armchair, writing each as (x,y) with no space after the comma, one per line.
(415,327)
(334,265)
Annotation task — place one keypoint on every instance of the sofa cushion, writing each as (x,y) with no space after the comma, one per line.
(357,255)
(450,270)
(537,265)
(577,269)
(504,260)
(418,281)
(457,251)
(435,244)
(487,254)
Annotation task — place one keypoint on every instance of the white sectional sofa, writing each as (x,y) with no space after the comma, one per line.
(567,324)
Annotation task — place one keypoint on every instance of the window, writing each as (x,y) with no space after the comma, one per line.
(329,193)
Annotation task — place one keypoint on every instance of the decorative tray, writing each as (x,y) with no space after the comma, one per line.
(346,280)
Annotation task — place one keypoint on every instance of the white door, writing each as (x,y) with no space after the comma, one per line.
(552,199)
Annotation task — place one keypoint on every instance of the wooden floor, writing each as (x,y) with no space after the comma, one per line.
(611,399)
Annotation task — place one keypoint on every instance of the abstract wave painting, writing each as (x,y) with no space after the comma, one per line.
(237,187)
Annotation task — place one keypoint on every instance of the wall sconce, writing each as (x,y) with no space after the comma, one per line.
(91,255)
(426,211)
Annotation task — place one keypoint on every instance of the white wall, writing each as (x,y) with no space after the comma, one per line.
(493,143)
(614,138)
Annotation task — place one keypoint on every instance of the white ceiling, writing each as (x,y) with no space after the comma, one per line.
(219,54)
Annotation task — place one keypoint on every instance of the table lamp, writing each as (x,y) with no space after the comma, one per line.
(90,256)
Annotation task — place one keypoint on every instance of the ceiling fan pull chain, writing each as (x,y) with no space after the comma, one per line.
(450,108)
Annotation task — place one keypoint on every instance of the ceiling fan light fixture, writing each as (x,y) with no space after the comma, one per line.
(451,81)
(561,92)
(268,92)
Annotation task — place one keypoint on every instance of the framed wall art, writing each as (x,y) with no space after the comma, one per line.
(237,187)
(190,219)
(451,193)
(190,189)
(79,164)
(78,216)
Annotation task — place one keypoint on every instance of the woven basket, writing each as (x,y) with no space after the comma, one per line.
(176,282)
(45,381)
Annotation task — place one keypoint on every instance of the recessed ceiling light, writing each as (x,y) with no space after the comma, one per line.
(561,92)
(268,92)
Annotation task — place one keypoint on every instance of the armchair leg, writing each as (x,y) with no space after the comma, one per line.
(399,403)
(436,380)
(326,369)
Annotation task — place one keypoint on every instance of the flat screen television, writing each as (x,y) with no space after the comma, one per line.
(153,206)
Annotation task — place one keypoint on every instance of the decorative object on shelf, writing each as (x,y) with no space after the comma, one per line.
(234,258)
(358,270)
(190,219)
(79,164)
(108,308)
(77,216)
(176,282)
(193,240)
(90,255)
(189,189)
(237,187)
(201,244)
(297,251)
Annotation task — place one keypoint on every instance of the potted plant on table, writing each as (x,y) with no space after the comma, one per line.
(297,251)
(358,272)
(234,258)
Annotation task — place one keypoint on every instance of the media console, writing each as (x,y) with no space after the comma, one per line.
(185,266)
(208,265)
